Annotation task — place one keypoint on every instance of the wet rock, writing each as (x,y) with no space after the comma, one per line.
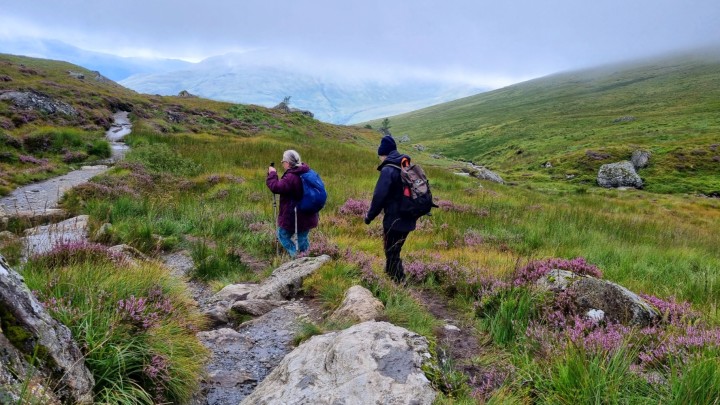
(358,305)
(640,159)
(37,198)
(73,382)
(286,280)
(243,358)
(386,369)
(620,174)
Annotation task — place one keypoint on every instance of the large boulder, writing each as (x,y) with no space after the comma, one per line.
(369,363)
(592,295)
(620,174)
(640,159)
(617,302)
(358,305)
(35,330)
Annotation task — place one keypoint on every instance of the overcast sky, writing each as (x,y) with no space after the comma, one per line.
(488,42)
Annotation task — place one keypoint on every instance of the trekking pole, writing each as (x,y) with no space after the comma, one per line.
(297,246)
(277,248)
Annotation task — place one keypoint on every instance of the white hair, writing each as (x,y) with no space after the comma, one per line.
(292,157)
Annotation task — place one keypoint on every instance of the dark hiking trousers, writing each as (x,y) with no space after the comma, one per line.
(393,242)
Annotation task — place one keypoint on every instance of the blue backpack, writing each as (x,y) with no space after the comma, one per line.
(314,194)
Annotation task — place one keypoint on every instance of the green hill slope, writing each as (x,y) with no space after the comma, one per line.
(581,120)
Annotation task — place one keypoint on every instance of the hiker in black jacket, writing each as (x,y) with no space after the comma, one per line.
(387,198)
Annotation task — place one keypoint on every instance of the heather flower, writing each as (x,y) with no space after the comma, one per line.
(74,157)
(32,159)
(486,382)
(145,312)
(473,238)
(673,312)
(536,269)
(354,207)
(321,245)
(65,253)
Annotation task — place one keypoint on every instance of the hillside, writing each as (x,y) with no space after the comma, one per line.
(193,184)
(578,121)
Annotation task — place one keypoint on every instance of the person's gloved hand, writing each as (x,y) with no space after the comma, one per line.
(367,221)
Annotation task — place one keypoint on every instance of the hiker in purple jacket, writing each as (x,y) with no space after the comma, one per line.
(387,198)
(291,221)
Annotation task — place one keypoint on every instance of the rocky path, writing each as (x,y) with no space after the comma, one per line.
(241,355)
(457,339)
(39,198)
(42,198)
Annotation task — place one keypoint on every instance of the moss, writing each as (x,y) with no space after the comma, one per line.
(15,333)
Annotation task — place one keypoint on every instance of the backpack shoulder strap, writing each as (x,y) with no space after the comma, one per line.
(395,166)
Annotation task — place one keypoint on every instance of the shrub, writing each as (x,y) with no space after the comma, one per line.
(100,148)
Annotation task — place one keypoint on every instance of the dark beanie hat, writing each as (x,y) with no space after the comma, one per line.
(387,145)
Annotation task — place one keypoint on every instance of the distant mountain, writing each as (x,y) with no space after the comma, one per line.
(245,79)
(113,67)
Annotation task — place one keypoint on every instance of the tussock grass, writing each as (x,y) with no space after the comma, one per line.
(136,324)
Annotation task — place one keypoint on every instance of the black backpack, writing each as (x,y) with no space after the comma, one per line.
(417,197)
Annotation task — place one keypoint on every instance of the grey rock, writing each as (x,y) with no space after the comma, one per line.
(32,100)
(593,296)
(557,280)
(233,292)
(73,382)
(76,75)
(640,159)
(484,173)
(385,361)
(617,302)
(358,305)
(42,239)
(243,358)
(620,174)
(256,307)
(286,280)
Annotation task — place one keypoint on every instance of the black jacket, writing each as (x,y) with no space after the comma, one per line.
(388,195)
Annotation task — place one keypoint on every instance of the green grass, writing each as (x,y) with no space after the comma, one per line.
(83,288)
(557,119)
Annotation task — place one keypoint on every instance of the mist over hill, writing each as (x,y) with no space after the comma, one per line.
(260,77)
(111,66)
(332,98)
